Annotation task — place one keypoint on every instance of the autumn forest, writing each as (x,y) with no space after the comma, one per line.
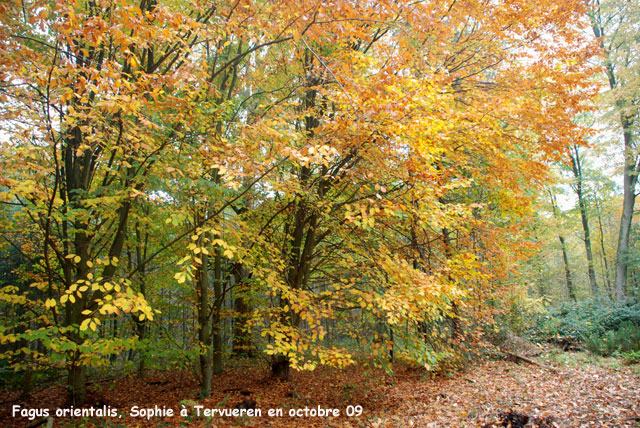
(420,213)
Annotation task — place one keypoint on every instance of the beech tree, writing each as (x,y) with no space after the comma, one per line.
(615,25)
(338,165)
(95,94)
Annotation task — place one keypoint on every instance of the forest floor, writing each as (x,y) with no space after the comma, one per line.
(566,390)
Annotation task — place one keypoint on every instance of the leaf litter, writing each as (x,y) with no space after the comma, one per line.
(486,394)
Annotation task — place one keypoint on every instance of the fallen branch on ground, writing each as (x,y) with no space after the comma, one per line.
(517,357)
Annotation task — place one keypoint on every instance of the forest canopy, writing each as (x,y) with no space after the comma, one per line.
(317,183)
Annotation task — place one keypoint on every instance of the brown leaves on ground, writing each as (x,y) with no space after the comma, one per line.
(571,397)
(484,395)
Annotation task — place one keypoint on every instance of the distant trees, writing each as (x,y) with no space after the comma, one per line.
(616,24)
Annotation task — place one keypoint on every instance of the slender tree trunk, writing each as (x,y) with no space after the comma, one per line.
(77,371)
(629,199)
(576,165)
(114,334)
(204,332)
(456,328)
(605,261)
(25,392)
(587,244)
(571,293)
(567,271)
(241,335)
(141,326)
(217,306)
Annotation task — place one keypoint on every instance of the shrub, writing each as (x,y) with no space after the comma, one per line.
(626,338)
(602,326)
(632,357)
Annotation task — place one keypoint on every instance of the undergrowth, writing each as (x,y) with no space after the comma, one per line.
(603,327)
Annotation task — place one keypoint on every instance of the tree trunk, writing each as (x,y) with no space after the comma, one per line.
(456,328)
(26,384)
(241,335)
(587,244)
(576,166)
(141,256)
(217,306)
(142,364)
(204,332)
(629,199)
(631,166)
(280,368)
(77,383)
(567,272)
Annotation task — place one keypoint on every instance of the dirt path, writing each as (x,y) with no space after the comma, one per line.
(587,395)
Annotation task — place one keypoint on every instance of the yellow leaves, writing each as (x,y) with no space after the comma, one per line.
(176,219)
(89,323)
(308,366)
(390,120)
(108,309)
(77,259)
(7,338)
(40,285)
(67,95)
(85,324)
(228,250)
(362,215)
(279,336)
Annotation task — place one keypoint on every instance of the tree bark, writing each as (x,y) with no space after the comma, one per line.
(241,335)
(204,332)
(567,271)
(141,256)
(605,262)
(456,327)
(631,165)
(576,166)
(629,199)
(217,306)
(280,368)
(77,383)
